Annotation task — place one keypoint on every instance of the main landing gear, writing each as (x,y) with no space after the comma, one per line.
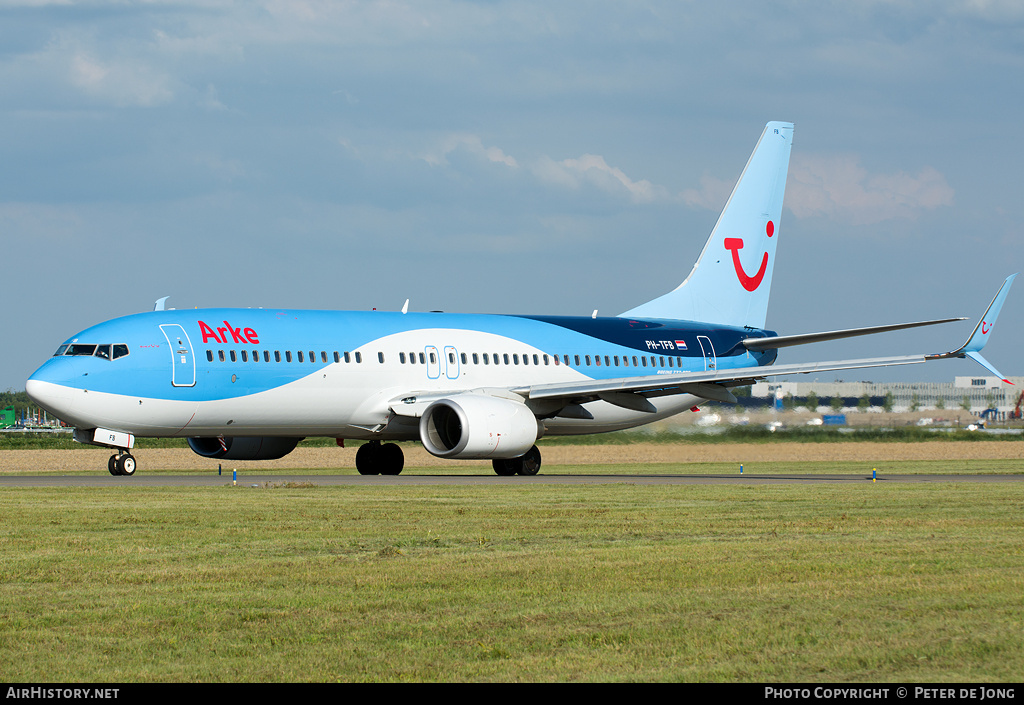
(121,464)
(374,458)
(526,464)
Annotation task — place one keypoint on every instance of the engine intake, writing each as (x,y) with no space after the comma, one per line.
(244,448)
(476,426)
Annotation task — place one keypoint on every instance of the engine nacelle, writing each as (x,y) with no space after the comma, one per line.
(244,448)
(476,426)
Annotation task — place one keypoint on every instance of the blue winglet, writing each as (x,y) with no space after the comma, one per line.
(972,348)
(988,320)
(976,356)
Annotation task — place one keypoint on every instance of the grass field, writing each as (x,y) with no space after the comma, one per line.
(635,458)
(870,582)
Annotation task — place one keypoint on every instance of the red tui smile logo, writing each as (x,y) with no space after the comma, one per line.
(735,244)
(984,330)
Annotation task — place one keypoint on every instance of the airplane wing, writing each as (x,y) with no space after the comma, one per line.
(633,392)
(785,341)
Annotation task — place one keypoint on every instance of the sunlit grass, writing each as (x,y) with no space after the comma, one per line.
(869,582)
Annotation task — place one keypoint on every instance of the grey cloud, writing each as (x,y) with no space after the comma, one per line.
(839,188)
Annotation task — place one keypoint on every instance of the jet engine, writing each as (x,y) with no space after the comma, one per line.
(476,426)
(243,448)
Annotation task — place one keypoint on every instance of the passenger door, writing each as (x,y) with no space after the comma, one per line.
(451,356)
(710,361)
(183,364)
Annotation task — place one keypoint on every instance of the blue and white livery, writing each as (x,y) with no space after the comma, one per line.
(247,384)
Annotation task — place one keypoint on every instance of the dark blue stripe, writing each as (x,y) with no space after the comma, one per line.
(639,334)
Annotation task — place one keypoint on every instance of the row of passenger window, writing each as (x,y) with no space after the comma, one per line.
(286,356)
(108,351)
(574,360)
(422,358)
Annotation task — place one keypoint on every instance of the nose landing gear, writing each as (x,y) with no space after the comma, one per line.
(121,464)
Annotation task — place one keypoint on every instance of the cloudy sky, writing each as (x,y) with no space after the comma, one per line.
(507,157)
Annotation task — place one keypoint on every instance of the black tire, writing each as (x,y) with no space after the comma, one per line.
(505,467)
(112,466)
(391,459)
(526,464)
(529,463)
(368,458)
(126,464)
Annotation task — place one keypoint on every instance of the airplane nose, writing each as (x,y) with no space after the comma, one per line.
(48,387)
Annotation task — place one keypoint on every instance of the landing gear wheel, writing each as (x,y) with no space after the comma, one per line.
(367,458)
(530,462)
(391,459)
(375,459)
(112,466)
(504,467)
(526,464)
(125,464)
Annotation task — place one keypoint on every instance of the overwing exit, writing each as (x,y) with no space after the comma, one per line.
(249,384)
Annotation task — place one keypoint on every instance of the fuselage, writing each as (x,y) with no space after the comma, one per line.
(256,372)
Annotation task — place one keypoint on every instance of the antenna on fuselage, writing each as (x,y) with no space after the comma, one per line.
(161,304)
(405,306)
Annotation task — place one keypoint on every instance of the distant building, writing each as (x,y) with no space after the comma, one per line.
(979,393)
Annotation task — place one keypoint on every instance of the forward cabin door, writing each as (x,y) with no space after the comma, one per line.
(183,363)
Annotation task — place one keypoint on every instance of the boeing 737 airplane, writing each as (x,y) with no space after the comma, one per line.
(249,384)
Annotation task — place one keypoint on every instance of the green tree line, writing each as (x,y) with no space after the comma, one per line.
(19,400)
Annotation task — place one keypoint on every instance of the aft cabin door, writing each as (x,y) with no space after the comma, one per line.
(710,363)
(183,364)
(433,362)
(451,362)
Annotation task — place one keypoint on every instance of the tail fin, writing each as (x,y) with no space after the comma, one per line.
(732,278)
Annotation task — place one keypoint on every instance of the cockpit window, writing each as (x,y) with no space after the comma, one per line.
(106,351)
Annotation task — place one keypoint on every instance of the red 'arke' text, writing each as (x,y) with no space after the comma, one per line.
(238,335)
